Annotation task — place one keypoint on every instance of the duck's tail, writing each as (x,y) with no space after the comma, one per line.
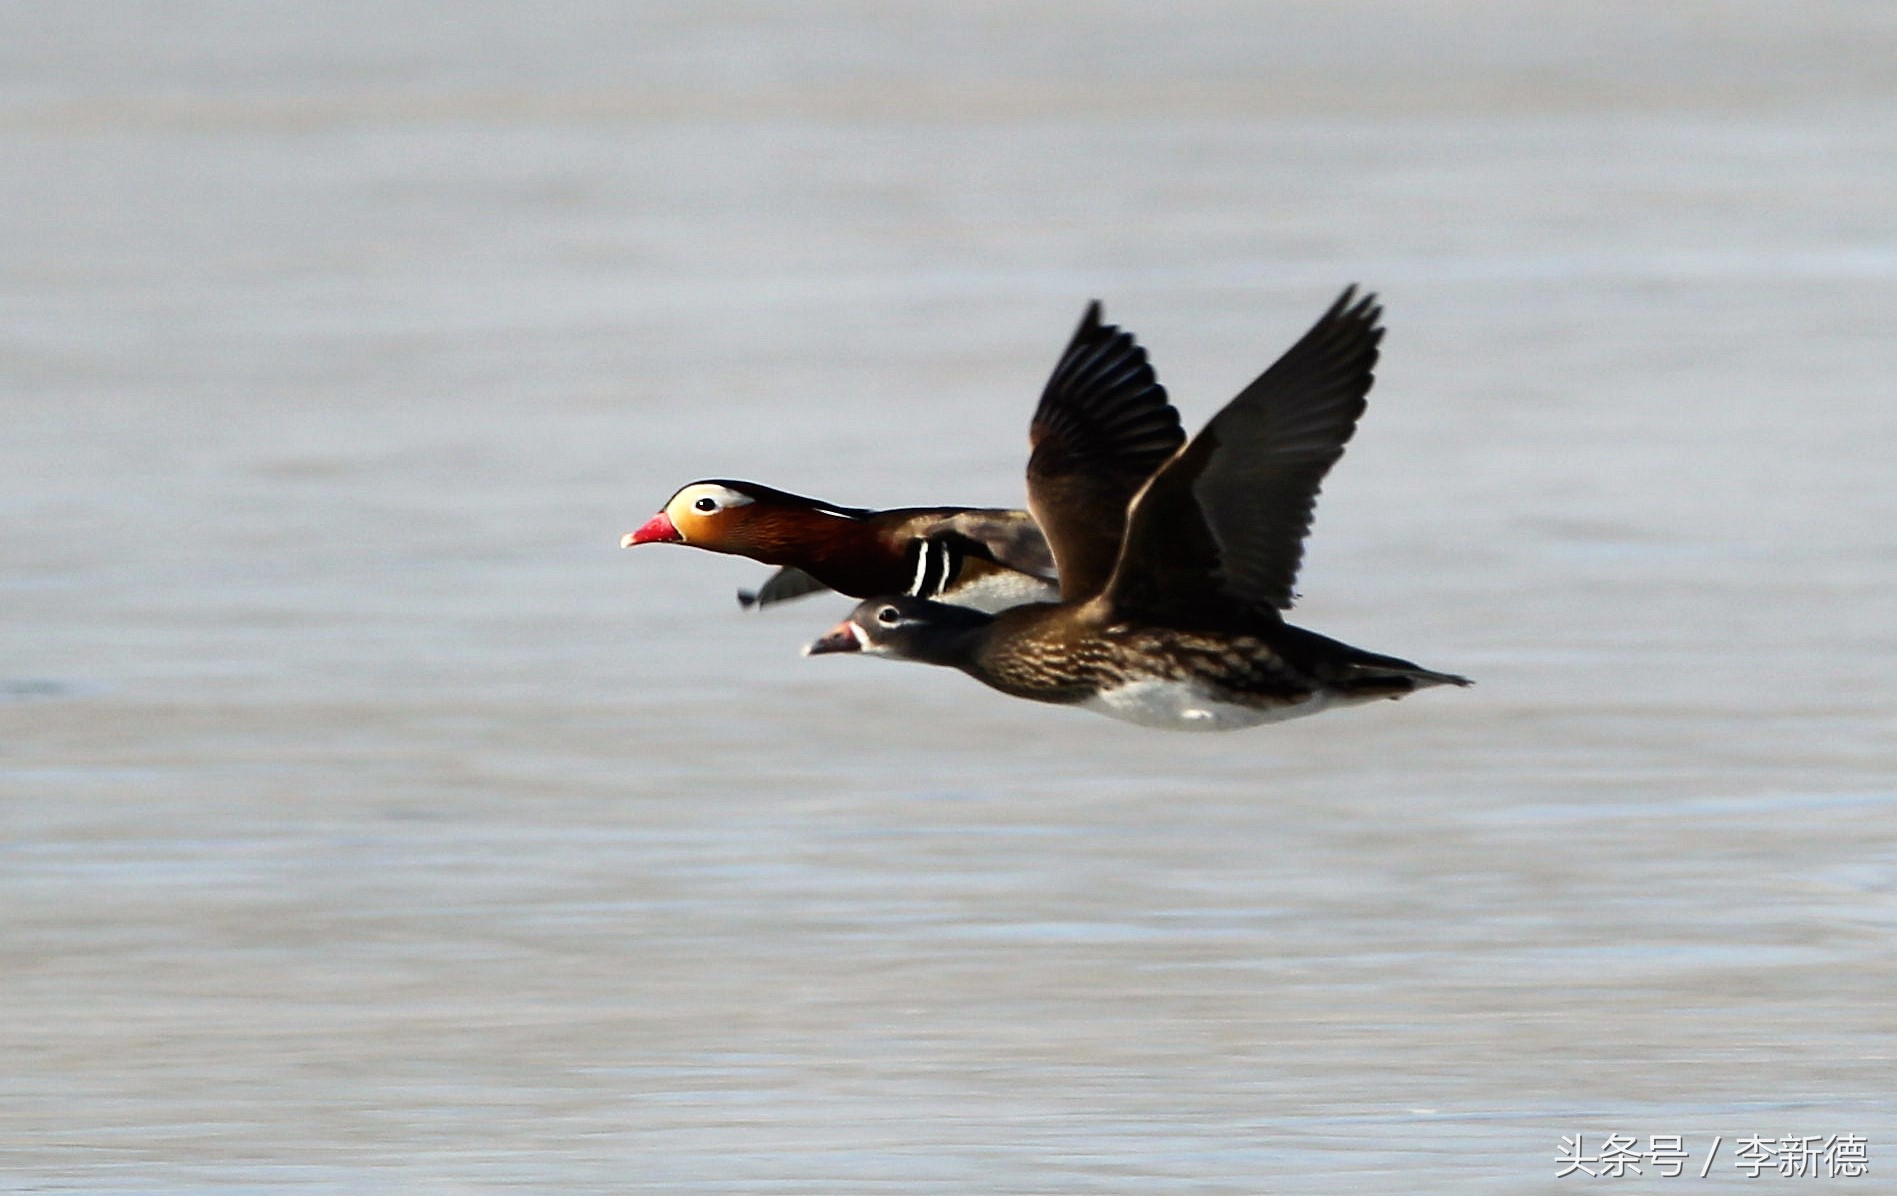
(1366,674)
(1389,677)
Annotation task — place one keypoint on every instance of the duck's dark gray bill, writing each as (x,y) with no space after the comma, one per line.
(841,638)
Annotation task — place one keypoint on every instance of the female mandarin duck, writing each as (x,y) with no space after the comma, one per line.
(979,557)
(1175,624)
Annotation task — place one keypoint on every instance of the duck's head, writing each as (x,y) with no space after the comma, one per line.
(708,514)
(905,628)
(742,518)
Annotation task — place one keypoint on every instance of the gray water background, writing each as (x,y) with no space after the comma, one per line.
(371,823)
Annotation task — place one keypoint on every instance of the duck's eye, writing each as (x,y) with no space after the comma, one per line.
(707,505)
(889,616)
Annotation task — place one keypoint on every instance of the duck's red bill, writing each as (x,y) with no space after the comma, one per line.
(656,530)
(842,638)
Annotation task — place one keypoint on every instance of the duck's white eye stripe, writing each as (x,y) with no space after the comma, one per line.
(720,498)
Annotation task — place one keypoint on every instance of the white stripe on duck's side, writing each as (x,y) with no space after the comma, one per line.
(935,567)
(938,576)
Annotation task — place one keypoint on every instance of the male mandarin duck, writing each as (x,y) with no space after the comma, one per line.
(1003,557)
(984,558)
(1175,624)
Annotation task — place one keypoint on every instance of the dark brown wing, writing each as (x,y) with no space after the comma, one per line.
(1219,534)
(1011,538)
(783,585)
(1006,537)
(1103,426)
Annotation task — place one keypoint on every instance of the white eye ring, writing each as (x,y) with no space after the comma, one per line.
(889,616)
(707,504)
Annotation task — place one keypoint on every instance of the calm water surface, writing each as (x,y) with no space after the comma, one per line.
(372,824)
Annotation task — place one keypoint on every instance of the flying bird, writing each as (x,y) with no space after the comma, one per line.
(1172,585)
(986,558)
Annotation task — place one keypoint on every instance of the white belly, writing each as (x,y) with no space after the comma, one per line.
(999,591)
(1177,706)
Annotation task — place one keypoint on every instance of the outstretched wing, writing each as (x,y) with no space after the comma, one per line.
(783,585)
(1219,533)
(1103,426)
